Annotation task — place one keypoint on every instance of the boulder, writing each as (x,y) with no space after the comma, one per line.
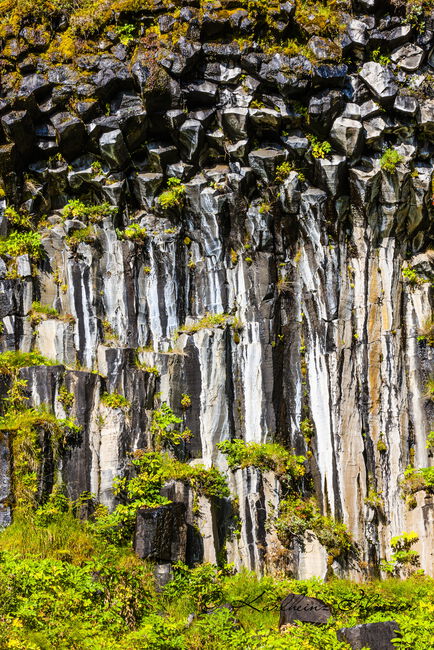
(296,607)
(347,134)
(330,173)
(161,533)
(191,137)
(113,149)
(70,134)
(234,122)
(408,57)
(391,38)
(145,187)
(407,105)
(324,107)
(376,636)
(203,93)
(324,49)
(264,119)
(264,162)
(379,80)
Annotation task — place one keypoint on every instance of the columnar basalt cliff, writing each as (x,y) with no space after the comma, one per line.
(264,247)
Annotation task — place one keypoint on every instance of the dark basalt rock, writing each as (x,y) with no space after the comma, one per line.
(18,127)
(161,533)
(114,150)
(376,636)
(324,107)
(70,134)
(296,607)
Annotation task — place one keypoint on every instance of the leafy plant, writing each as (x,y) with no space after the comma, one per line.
(298,515)
(390,159)
(12,361)
(21,243)
(163,427)
(173,197)
(75,209)
(411,276)
(81,236)
(115,401)
(18,219)
(133,232)
(403,557)
(269,456)
(319,149)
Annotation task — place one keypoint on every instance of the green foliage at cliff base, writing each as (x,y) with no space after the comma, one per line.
(64,588)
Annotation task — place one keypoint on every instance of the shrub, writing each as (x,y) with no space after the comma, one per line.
(20,243)
(115,401)
(19,220)
(143,490)
(173,197)
(210,321)
(163,427)
(269,456)
(133,232)
(75,209)
(412,277)
(82,236)
(319,149)
(403,558)
(298,515)
(39,312)
(12,361)
(390,159)
(419,479)
(25,427)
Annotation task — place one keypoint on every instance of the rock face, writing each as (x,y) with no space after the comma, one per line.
(161,534)
(249,185)
(302,608)
(376,636)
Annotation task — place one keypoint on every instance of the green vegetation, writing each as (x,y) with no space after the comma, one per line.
(26,427)
(173,197)
(412,277)
(17,219)
(12,361)
(269,456)
(430,441)
(429,388)
(298,515)
(318,149)
(211,321)
(39,312)
(82,236)
(143,490)
(419,479)
(403,558)
(283,170)
(380,58)
(20,243)
(69,588)
(185,401)
(162,427)
(390,159)
(66,398)
(134,232)
(75,209)
(426,333)
(115,401)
